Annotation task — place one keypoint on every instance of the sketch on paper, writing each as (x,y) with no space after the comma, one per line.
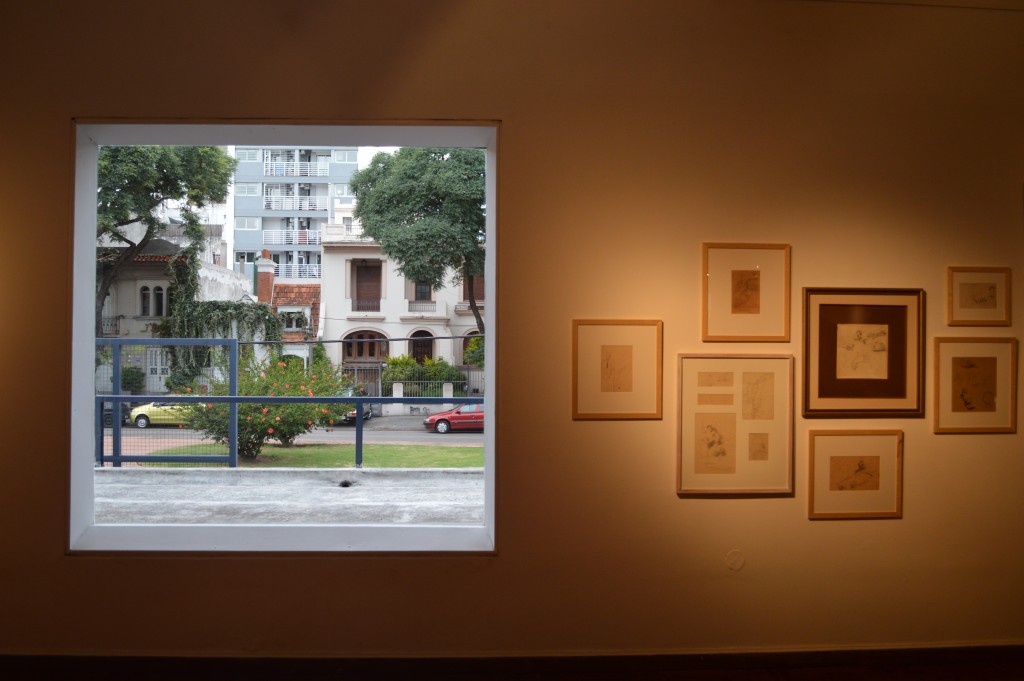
(746,291)
(758,447)
(758,395)
(862,351)
(974,384)
(854,473)
(715,446)
(714,379)
(616,368)
(978,296)
(715,399)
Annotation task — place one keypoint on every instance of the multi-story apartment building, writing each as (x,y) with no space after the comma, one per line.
(283,199)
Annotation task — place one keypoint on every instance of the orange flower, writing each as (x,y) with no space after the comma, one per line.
(188,390)
(270,430)
(277,418)
(286,386)
(209,406)
(310,423)
(265,410)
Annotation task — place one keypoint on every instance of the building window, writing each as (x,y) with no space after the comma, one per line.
(477,282)
(247,155)
(158,301)
(144,301)
(365,345)
(342,189)
(86,533)
(423,290)
(248,223)
(346,156)
(245,256)
(247,189)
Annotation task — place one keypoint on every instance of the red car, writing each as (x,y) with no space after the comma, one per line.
(462,417)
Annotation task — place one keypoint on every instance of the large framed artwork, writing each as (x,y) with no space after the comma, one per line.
(978,296)
(746,292)
(975,385)
(616,369)
(735,433)
(863,353)
(855,474)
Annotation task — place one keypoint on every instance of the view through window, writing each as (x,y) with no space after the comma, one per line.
(283,338)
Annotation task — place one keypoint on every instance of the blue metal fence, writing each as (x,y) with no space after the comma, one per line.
(116,398)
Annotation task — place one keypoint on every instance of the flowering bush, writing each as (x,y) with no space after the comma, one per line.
(257,423)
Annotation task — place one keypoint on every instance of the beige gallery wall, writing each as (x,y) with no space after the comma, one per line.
(883,142)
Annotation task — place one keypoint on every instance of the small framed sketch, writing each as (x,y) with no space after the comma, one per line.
(746,292)
(856,474)
(735,424)
(863,353)
(616,369)
(978,296)
(975,385)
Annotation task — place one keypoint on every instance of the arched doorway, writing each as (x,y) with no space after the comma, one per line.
(421,346)
(362,356)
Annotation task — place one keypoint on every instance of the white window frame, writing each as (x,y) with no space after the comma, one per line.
(246,222)
(345,156)
(243,155)
(342,189)
(290,311)
(84,535)
(247,189)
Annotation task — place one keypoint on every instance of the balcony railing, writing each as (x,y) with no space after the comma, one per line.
(296,169)
(297,271)
(344,233)
(422,305)
(296,202)
(111,325)
(277,237)
(366,305)
(464,308)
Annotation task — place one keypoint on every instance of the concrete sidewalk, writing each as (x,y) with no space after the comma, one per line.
(449,496)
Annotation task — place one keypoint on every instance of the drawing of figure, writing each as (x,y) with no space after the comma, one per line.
(978,296)
(862,351)
(854,473)
(714,440)
(746,291)
(974,384)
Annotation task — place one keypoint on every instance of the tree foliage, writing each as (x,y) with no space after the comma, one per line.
(133,182)
(422,380)
(425,207)
(258,423)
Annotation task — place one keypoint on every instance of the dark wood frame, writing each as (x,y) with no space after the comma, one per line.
(901,395)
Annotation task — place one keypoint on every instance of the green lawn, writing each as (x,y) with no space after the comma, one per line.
(344,456)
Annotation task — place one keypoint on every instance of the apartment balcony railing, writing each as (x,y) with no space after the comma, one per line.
(297,271)
(432,308)
(296,202)
(288,237)
(464,308)
(344,233)
(111,325)
(366,305)
(296,169)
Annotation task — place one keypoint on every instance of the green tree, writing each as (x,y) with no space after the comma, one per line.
(133,182)
(425,207)
(258,423)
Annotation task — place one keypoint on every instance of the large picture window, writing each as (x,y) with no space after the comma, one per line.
(85,533)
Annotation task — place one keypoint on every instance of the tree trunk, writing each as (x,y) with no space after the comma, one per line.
(471,294)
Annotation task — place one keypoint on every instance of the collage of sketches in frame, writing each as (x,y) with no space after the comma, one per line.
(863,357)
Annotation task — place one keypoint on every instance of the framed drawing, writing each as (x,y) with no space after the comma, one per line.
(735,433)
(978,296)
(863,353)
(975,385)
(746,292)
(855,474)
(616,369)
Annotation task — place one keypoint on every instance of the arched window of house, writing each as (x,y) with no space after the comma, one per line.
(144,301)
(422,346)
(158,301)
(365,346)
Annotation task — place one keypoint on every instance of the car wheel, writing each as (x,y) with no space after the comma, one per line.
(142,421)
(442,427)
(367,415)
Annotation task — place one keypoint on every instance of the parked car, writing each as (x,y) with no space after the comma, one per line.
(462,417)
(108,413)
(350,416)
(158,413)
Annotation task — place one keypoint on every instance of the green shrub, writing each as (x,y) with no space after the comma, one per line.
(133,379)
(474,353)
(258,423)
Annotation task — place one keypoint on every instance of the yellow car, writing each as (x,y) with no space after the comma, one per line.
(158,413)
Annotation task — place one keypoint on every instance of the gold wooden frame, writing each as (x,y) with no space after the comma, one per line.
(616,369)
(960,313)
(723,318)
(986,402)
(848,488)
